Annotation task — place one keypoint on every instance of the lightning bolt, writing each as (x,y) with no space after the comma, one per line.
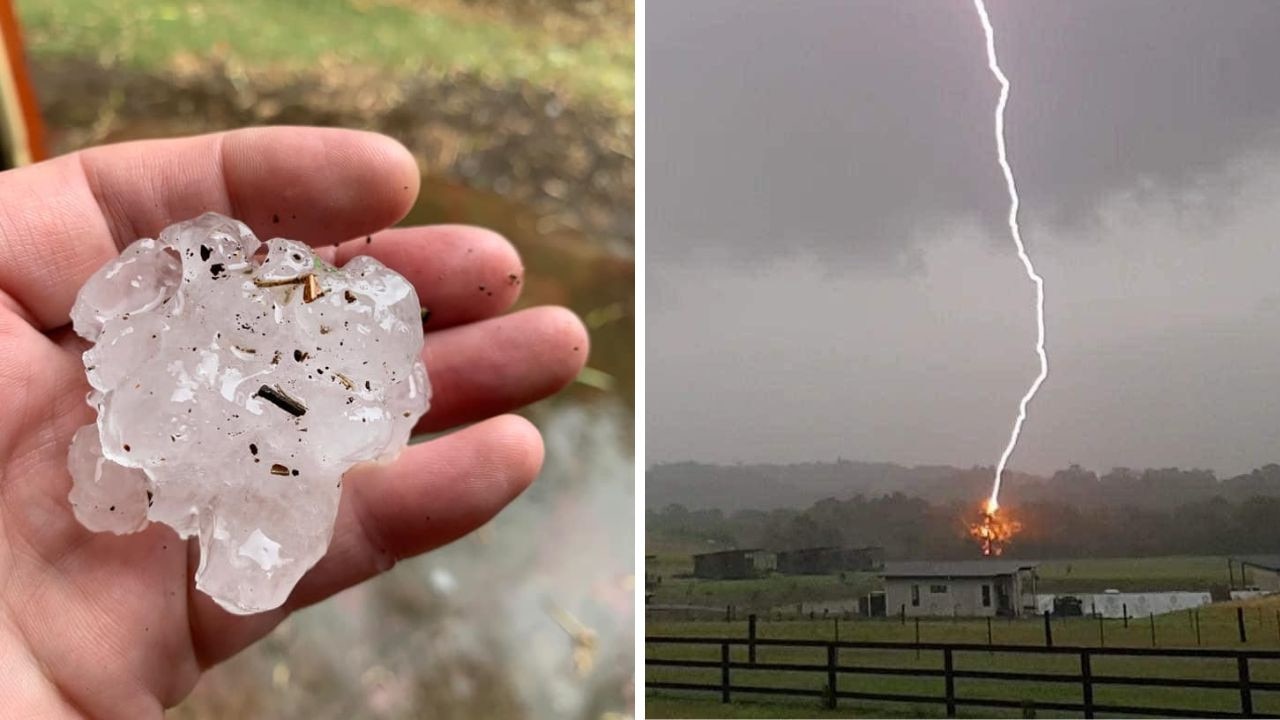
(993,503)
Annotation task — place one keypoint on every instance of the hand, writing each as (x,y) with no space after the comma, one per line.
(107,626)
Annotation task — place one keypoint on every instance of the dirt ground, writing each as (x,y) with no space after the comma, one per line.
(573,166)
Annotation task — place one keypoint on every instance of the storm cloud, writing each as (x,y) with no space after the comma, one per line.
(850,129)
(829,269)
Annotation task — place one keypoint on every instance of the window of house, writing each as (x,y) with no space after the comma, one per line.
(938,589)
(915,596)
(986,596)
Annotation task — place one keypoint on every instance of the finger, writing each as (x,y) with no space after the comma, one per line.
(483,369)
(38,408)
(431,495)
(62,219)
(462,274)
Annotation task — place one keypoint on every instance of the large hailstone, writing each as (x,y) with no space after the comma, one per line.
(233,391)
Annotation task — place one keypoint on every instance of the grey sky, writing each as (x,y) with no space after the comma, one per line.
(829,270)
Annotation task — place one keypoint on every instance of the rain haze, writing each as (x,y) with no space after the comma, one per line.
(830,273)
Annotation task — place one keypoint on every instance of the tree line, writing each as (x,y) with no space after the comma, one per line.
(1074,513)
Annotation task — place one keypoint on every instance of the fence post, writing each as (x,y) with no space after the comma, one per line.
(837,623)
(948,670)
(1048,630)
(1197,627)
(1153,629)
(1244,637)
(751,638)
(1086,680)
(903,613)
(832,700)
(989,643)
(724,672)
(1246,692)
(917,638)
(1124,608)
(1102,636)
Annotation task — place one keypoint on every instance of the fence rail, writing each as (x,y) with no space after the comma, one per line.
(1085,678)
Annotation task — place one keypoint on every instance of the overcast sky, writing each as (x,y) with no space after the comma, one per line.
(829,273)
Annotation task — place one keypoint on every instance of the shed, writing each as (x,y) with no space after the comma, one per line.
(971,588)
(734,564)
(1255,571)
(830,560)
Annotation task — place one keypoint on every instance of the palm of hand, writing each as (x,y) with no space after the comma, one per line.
(104,625)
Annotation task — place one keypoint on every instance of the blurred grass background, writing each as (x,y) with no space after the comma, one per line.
(584,49)
(520,114)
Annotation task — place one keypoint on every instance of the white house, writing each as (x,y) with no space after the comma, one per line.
(970,588)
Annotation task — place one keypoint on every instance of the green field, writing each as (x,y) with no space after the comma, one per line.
(1133,574)
(782,592)
(666,706)
(1217,628)
(677,587)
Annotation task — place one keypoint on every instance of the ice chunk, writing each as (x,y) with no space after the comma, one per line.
(106,497)
(233,390)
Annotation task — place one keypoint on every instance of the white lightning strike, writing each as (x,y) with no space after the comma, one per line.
(993,502)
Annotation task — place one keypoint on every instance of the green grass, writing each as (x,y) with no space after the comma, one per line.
(658,705)
(1217,629)
(299,34)
(763,593)
(1132,574)
(1217,626)
(756,593)
(782,592)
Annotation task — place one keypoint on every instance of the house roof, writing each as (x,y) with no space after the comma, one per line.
(736,551)
(1267,562)
(845,548)
(962,568)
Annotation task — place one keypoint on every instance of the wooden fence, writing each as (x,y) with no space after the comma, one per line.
(1086,679)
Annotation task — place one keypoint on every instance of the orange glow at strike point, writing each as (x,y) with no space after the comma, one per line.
(992,531)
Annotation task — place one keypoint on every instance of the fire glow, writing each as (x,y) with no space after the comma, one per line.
(993,531)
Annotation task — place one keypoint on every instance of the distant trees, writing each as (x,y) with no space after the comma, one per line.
(768,487)
(1075,513)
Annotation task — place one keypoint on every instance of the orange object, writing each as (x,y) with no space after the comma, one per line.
(21,129)
(992,531)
